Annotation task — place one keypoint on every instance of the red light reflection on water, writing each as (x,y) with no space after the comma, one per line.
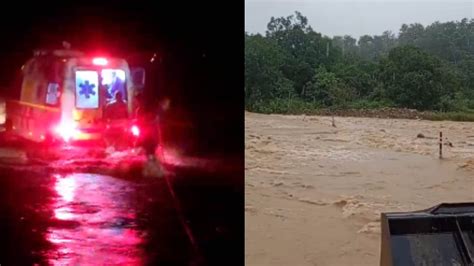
(64,213)
(99,222)
(65,187)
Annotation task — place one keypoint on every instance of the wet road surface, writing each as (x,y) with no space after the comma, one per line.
(77,216)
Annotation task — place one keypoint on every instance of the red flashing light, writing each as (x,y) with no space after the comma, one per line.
(99,61)
(135,131)
(67,131)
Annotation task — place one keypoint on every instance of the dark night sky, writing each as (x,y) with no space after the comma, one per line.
(116,26)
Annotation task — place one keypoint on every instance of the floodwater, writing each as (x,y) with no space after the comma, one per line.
(82,207)
(314,192)
(106,220)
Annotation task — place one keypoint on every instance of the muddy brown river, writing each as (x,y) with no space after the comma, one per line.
(314,192)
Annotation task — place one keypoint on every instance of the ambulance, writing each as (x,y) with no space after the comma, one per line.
(65,96)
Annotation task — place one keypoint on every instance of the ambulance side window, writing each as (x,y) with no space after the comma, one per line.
(52,94)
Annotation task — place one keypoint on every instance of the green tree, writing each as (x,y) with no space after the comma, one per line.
(263,77)
(367,47)
(304,48)
(426,68)
(358,74)
(415,79)
(327,89)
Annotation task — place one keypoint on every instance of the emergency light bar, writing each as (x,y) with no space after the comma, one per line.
(99,61)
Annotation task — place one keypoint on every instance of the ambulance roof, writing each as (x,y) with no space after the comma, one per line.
(60,53)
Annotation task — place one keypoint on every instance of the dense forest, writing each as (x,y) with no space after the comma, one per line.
(295,69)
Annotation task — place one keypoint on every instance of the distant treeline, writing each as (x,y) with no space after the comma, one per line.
(294,69)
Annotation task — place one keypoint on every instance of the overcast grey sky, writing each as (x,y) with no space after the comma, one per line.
(356,17)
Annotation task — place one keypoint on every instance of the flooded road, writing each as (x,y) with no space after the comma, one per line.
(102,218)
(314,192)
(91,211)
